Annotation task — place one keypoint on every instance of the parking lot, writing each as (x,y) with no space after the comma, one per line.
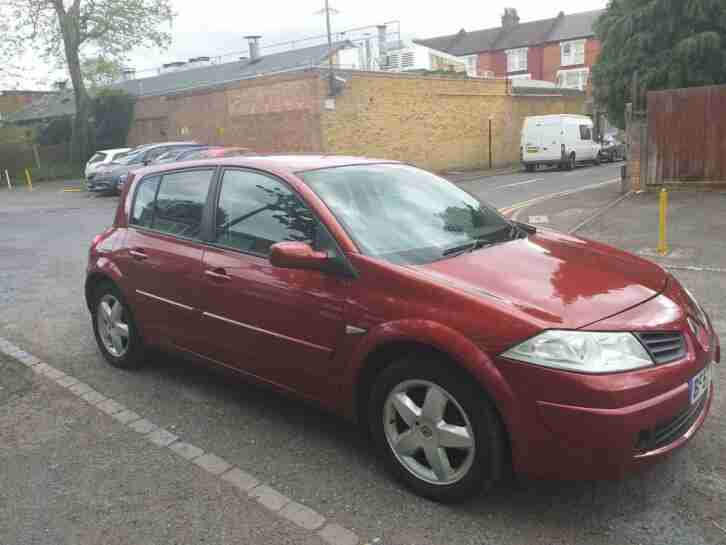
(309,456)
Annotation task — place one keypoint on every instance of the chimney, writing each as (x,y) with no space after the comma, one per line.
(382,45)
(510,18)
(254,43)
(60,85)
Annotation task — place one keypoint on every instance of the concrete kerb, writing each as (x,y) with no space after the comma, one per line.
(271,499)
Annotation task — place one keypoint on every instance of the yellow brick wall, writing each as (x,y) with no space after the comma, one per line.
(435,123)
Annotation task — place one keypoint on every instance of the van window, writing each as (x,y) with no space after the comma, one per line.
(585,132)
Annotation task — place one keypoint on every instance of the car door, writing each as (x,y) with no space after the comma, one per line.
(163,255)
(282,325)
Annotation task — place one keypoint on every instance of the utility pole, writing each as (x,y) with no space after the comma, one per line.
(327,9)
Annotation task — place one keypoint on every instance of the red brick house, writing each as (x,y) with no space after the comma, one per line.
(561,50)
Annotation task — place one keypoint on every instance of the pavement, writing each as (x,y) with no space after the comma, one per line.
(71,473)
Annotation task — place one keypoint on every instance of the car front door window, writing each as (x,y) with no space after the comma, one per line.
(256,211)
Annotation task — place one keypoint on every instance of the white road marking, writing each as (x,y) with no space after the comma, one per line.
(271,499)
(518,183)
(538,219)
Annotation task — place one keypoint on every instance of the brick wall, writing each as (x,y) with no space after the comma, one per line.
(551,59)
(267,114)
(435,123)
(495,61)
(535,60)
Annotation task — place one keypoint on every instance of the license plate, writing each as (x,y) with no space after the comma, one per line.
(699,384)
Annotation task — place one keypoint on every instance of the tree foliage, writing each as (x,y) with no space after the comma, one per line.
(69,30)
(669,43)
(99,72)
(113,112)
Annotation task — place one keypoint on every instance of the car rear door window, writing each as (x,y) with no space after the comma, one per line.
(143,211)
(256,211)
(180,202)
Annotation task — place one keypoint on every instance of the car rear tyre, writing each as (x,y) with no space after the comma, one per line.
(114,329)
(436,431)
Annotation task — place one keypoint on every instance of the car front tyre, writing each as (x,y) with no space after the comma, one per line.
(437,432)
(114,328)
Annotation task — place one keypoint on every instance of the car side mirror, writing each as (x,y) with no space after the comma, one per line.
(298,255)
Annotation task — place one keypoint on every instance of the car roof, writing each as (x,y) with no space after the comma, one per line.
(288,164)
(113,150)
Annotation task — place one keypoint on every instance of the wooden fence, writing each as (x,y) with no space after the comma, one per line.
(686,136)
(16,157)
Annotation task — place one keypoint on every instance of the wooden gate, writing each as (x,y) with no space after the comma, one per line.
(687,135)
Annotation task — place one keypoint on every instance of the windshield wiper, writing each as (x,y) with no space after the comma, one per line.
(470,246)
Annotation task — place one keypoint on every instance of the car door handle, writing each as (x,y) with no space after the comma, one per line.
(217,274)
(138,254)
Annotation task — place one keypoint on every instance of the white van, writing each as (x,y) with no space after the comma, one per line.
(562,139)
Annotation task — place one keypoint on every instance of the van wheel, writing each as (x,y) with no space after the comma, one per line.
(571,162)
(437,432)
(597,160)
(530,168)
(114,328)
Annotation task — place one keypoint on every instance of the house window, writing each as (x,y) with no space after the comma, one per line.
(573,79)
(472,65)
(517,60)
(573,52)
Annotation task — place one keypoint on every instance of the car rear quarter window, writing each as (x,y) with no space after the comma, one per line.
(97,158)
(180,203)
(256,211)
(143,211)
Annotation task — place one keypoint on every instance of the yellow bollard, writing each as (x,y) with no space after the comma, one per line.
(662,242)
(30,181)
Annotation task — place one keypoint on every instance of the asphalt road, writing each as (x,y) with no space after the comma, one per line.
(313,457)
(508,190)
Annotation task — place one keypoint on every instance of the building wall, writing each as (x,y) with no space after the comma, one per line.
(267,114)
(534,62)
(495,61)
(12,101)
(435,123)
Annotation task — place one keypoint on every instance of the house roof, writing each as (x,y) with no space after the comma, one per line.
(61,104)
(563,27)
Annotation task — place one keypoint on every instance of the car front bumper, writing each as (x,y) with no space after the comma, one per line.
(577,426)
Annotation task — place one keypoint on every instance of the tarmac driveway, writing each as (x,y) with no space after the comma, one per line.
(311,457)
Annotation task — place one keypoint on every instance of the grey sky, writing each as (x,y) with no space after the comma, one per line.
(215,27)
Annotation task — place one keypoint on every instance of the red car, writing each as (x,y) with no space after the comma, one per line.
(466,343)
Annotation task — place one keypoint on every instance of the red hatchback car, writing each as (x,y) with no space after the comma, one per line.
(466,343)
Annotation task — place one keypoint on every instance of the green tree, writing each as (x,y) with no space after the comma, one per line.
(69,29)
(99,72)
(669,43)
(113,111)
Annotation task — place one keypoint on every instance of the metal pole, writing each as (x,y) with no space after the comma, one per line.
(490,144)
(330,48)
(662,241)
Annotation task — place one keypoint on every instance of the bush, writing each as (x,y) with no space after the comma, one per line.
(113,113)
(58,131)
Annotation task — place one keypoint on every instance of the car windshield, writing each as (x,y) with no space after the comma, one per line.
(406,215)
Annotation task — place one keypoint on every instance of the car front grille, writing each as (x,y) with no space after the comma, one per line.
(666,433)
(664,347)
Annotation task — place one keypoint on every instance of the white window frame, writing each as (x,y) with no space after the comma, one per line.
(572,52)
(520,76)
(583,77)
(472,65)
(517,59)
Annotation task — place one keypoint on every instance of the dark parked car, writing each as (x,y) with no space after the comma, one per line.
(112,177)
(612,149)
(465,342)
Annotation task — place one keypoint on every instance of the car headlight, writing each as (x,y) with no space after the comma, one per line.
(583,351)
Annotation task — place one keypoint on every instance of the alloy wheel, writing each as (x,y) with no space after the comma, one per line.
(113,327)
(429,432)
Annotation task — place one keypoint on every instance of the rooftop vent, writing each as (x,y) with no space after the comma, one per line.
(254,44)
